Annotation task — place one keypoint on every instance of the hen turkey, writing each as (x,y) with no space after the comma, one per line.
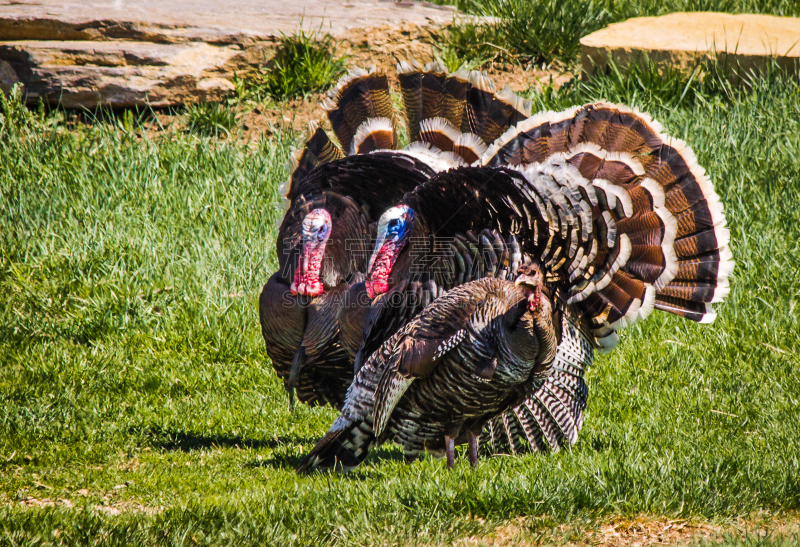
(466,357)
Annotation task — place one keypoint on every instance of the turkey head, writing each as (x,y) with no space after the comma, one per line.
(530,278)
(394,230)
(316,231)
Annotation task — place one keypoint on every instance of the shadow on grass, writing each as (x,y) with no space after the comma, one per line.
(277,460)
(188,441)
(288,459)
(285,448)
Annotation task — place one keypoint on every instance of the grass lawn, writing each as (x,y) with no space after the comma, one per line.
(137,403)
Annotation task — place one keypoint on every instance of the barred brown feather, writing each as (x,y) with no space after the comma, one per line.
(358,97)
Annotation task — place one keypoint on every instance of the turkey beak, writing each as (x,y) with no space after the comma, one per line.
(528,280)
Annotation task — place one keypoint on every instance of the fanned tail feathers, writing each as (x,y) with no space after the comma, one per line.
(489,113)
(450,118)
(318,149)
(431,93)
(358,97)
(458,112)
(374,134)
(636,224)
(360,110)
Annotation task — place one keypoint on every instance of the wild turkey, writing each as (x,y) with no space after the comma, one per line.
(471,354)
(323,241)
(334,197)
(621,218)
(694,269)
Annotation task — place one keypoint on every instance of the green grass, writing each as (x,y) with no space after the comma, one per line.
(133,374)
(210,119)
(711,83)
(304,63)
(544,31)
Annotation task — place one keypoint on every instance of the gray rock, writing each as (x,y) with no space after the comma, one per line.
(242,21)
(120,74)
(8,77)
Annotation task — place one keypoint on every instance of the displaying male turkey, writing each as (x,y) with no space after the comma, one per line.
(323,240)
(621,219)
(334,198)
(451,118)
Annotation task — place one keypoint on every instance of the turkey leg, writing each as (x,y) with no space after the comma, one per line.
(472,438)
(294,373)
(450,449)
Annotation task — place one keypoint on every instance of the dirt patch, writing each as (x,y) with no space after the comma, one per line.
(383,47)
(106,506)
(640,532)
(643,531)
(290,116)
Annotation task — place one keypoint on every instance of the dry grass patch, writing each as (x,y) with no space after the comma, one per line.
(641,531)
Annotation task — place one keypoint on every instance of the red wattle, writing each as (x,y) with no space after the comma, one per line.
(314,288)
(309,266)
(378,282)
(374,288)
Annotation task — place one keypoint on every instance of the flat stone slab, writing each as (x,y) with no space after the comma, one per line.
(744,41)
(125,53)
(214,21)
(120,73)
